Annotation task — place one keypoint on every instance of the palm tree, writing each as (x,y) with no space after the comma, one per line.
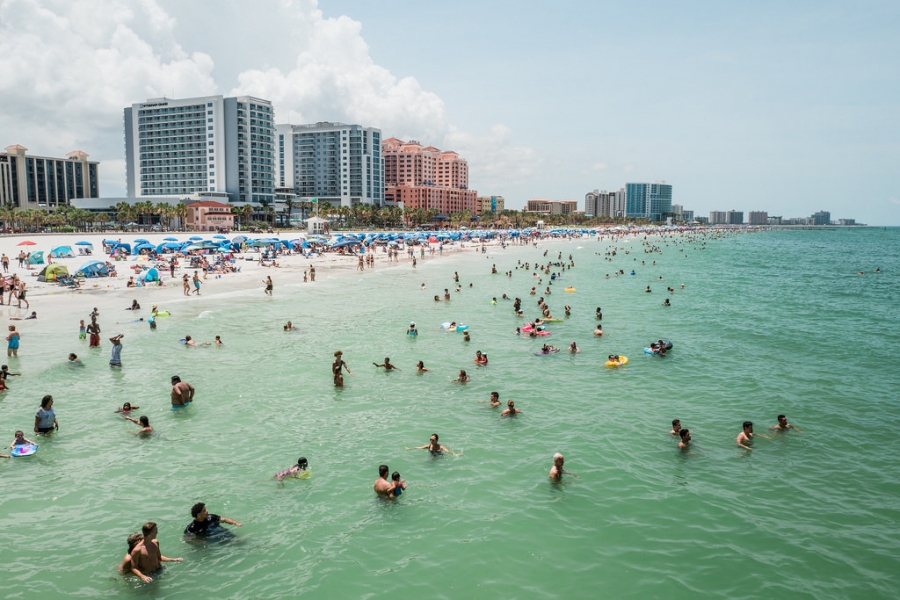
(101,217)
(164,210)
(246,213)
(290,203)
(181,211)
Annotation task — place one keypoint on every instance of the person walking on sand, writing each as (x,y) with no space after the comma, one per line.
(12,349)
(115,358)
(21,296)
(268,282)
(196,282)
(185,285)
(5,260)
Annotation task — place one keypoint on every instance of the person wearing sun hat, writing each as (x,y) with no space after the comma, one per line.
(412,329)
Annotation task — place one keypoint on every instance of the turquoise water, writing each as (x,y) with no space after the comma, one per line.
(766,323)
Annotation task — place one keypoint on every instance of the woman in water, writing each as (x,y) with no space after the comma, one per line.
(336,369)
(412,330)
(133,540)
(144,422)
(433,446)
(74,361)
(298,470)
(420,367)
(127,408)
(45,418)
(573,348)
(461,378)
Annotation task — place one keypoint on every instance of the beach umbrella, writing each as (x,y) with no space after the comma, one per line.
(26,243)
(170,239)
(84,244)
(141,241)
(144,246)
(219,237)
(191,248)
(238,239)
(195,238)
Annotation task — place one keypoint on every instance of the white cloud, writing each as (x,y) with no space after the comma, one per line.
(72,67)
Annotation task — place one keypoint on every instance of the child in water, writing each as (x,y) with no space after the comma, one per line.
(399,484)
(298,470)
(21,440)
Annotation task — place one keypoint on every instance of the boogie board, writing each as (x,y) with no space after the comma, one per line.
(24,450)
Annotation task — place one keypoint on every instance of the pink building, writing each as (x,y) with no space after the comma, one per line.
(425,177)
(209,216)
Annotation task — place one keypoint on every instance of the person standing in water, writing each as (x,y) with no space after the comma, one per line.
(115,358)
(182,392)
(745,437)
(783,425)
(557,470)
(146,557)
(337,369)
(269,285)
(383,488)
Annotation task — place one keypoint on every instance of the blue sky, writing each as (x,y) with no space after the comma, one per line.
(784,107)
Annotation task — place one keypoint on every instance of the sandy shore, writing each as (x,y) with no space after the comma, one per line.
(61,307)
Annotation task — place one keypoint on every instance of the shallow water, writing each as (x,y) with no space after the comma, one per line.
(766,323)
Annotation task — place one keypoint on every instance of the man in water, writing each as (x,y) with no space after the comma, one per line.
(205,524)
(495,399)
(182,392)
(557,471)
(383,488)
(676,428)
(745,437)
(783,425)
(146,557)
(115,358)
(685,444)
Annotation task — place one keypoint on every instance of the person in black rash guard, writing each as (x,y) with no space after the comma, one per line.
(206,525)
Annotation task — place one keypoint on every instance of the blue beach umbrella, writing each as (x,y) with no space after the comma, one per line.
(84,244)
(219,237)
(141,241)
(194,238)
(170,239)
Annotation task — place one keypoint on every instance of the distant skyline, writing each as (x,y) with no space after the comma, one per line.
(788,108)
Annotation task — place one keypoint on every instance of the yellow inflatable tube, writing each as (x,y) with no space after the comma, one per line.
(623,360)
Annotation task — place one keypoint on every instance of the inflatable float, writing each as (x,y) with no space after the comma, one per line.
(163,313)
(623,360)
(553,320)
(24,450)
(448,327)
(553,351)
(570,289)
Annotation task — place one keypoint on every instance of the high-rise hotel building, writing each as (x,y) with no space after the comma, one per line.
(333,162)
(417,176)
(208,144)
(31,182)
(652,201)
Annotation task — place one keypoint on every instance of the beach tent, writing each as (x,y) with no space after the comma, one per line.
(53,272)
(94,268)
(144,246)
(36,258)
(148,276)
(62,252)
(122,248)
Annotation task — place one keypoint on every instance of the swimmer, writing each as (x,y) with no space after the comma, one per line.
(133,541)
(745,437)
(461,378)
(568,310)
(295,471)
(599,330)
(783,425)
(667,303)
(423,286)
(386,364)
(676,427)
(573,348)
(399,484)
(557,470)
(437,298)
(218,341)
(433,446)
(412,330)
(420,367)
(337,368)
(21,440)
(648,290)
(33,315)
(144,422)
(466,337)
(383,487)
(74,360)
(495,399)
(289,326)
(510,410)
(685,444)
(189,341)
(127,408)
(480,359)
(146,556)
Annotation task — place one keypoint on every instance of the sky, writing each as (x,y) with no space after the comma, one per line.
(783,107)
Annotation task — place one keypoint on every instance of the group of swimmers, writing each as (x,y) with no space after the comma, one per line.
(744,439)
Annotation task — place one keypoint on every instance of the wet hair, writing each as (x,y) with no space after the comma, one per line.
(510,403)
(684,432)
(302,462)
(197,509)
(187,338)
(420,365)
(148,528)
(128,404)
(780,417)
(495,394)
(337,352)
(676,422)
(176,379)
(144,420)
(133,540)
(383,470)
(46,400)
(748,424)
(72,356)
(19,432)
(395,476)
(435,436)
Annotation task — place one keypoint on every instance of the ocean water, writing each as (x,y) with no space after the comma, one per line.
(767,323)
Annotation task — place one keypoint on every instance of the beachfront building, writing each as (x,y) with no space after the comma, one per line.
(331,162)
(680,215)
(651,201)
(758,217)
(41,182)
(734,217)
(605,204)
(492,204)
(209,215)
(551,207)
(207,144)
(425,177)
(823,217)
(718,217)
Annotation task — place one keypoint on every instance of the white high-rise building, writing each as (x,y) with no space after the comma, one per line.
(208,144)
(605,204)
(333,162)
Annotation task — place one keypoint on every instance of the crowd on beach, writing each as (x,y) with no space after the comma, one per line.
(144,556)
